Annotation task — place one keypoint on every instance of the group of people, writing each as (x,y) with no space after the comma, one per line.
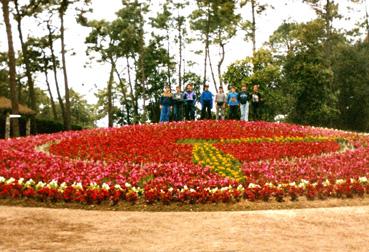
(184,103)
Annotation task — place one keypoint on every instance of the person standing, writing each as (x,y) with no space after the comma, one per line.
(243,98)
(233,103)
(189,98)
(256,101)
(220,103)
(206,100)
(178,104)
(166,102)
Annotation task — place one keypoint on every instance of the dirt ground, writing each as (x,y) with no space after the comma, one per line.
(321,229)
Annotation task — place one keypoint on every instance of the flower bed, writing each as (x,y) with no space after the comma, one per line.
(190,162)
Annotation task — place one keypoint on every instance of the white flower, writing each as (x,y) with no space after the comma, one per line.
(293,184)
(269,184)
(2,179)
(352,181)
(118,187)
(20,181)
(29,183)
(224,189)
(192,190)
(170,189)
(40,185)
(137,189)
(326,183)
(185,188)
(363,180)
(340,181)
(62,187)
(105,186)
(240,188)
(303,183)
(53,184)
(10,181)
(251,185)
(128,185)
(77,186)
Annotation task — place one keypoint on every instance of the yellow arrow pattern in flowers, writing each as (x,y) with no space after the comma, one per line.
(205,154)
(226,165)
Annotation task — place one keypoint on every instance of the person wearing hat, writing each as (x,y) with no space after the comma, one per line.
(206,100)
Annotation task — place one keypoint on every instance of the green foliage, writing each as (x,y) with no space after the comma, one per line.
(352,78)
(238,72)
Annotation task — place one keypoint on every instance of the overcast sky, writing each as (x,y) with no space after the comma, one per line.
(86,79)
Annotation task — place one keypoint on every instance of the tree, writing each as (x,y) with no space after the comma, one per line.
(250,26)
(101,40)
(12,68)
(309,75)
(180,25)
(217,21)
(82,114)
(61,7)
(163,21)
(201,20)
(4,75)
(352,78)
(22,12)
(226,21)
(41,62)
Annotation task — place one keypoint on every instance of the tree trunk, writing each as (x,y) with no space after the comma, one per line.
(67,119)
(168,66)
(220,66)
(180,55)
(31,103)
(12,68)
(206,44)
(110,97)
(212,70)
(53,59)
(253,27)
(55,115)
(366,21)
(31,91)
(124,92)
(134,96)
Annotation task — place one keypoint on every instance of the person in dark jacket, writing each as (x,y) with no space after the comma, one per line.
(243,98)
(206,100)
(178,104)
(166,102)
(189,98)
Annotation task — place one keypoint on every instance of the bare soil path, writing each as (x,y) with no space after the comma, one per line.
(321,229)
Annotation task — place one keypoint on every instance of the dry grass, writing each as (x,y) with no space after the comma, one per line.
(5,104)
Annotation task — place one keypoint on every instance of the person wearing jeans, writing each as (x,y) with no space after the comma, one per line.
(166,102)
(233,103)
(244,98)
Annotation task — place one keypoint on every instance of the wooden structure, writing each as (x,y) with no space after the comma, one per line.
(5,110)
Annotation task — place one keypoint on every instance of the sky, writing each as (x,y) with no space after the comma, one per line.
(86,77)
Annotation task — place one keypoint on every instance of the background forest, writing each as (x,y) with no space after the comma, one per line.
(314,72)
